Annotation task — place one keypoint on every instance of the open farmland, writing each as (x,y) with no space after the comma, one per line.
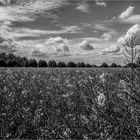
(67,104)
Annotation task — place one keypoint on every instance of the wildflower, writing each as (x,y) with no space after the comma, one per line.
(101,99)
(85,119)
(102,77)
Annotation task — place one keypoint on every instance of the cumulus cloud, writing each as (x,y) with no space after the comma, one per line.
(5,2)
(86,46)
(7,46)
(132,33)
(113,49)
(84,7)
(108,34)
(100,3)
(56,46)
(127,13)
(56,40)
(62,48)
(128,17)
(38,53)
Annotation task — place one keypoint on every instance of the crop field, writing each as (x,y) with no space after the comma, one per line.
(67,104)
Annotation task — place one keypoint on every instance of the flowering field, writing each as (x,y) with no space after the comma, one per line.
(67,104)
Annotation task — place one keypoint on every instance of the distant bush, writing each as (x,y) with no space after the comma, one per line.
(71,64)
(42,63)
(32,63)
(61,64)
(113,65)
(11,63)
(80,64)
(52,63)
(104,65)
(2,63)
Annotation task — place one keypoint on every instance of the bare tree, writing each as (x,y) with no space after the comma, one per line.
(132,77)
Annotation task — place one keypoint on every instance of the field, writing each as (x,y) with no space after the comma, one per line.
(67,104)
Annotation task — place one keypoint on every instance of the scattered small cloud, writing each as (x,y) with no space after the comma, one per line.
(113,49)
(128,17)
(38,53)
(5,2)
(84,7)
(108,34)
(7,46)
(127,13)
(100,3)
(86,46)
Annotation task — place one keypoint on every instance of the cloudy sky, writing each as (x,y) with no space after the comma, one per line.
(67,30)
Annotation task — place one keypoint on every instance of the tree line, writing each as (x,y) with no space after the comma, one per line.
(11,60)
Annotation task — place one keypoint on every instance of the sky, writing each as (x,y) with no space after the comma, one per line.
(68,30)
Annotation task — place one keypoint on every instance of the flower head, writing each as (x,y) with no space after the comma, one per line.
(101,99)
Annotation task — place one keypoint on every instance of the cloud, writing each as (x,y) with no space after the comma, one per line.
(56,46)
(132,33)
(62,48)
(127,17)
(5,2)
(29,10)
(7,46)
(113,49)
(86,46)
(56,40)
(38,53)
(127,13)
(100,3)
(108,34)
(84,7)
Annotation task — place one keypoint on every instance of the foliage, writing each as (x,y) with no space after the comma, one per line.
(67,104)
(104,65)
(2,63)
(81,64)
(52,63)
(71,64)
(42,63)
(113,65)
(61,64)
(32,63)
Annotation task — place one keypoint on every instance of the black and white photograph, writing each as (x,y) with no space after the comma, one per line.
(70,69)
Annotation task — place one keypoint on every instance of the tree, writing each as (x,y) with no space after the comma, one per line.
(134,65)
(11,56)
(2,63)
(11,63)
(52,63)
(32,63)
(104,65)
(87,65)
(113,65)
(42,63)
(71,64)
(81,64)
(61,64)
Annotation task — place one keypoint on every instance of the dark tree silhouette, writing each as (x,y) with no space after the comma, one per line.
(11,63)
(42,63)
(61,64)
(113,65)
(32,63)
(104,65)
(2,63)
(80,64)
(71,64)
(52,63)
(134,65)
(87,65)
